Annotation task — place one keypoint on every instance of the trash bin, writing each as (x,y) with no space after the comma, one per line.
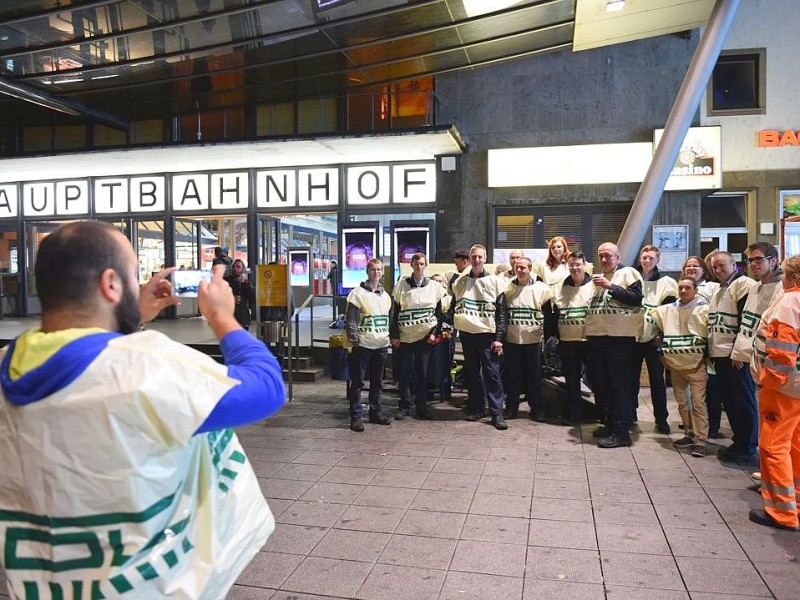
(272,332)
(338,358)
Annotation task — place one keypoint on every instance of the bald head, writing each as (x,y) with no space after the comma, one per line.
(608,254)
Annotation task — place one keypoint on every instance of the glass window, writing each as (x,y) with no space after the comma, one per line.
(70,136)
(275,119)
(724,210)
(738,83)
(316,116)
(37,139)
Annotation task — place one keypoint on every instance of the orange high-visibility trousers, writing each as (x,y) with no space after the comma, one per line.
(779,448)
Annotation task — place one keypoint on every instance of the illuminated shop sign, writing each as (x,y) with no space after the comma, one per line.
(268,189)
(771,138)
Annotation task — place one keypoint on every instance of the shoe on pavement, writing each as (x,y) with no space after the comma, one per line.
(401,414)
(379,419)
(684,442)
(475,416)
(511,413)
(356,425)
(716,435)
(759,516)
(602,432)
(613,442)
(423,416)
(731,454)
(537,415)
(662,427)
(499,422)
(699,450)
(756,487)
(570,422)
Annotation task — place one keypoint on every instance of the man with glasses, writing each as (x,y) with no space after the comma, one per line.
(724,321)
(762,258)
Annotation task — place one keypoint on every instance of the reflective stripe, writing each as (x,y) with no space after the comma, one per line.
(779,345)
(778,489)
(779,367)
(781,505)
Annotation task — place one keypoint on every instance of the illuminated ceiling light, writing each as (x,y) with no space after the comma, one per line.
(104,76)
(615,5)
(75,80)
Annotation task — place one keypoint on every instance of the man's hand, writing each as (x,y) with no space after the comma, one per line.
(215,302)
(601,281)
(395,342)
(737,364)
(497,347)
(156,295)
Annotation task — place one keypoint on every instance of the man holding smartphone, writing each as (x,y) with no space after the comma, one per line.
(118,440)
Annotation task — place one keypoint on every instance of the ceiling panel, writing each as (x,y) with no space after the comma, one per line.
(143,59)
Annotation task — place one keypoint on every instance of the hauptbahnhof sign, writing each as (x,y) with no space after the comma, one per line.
(267,190)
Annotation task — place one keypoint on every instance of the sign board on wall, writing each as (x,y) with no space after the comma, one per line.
(698,165)
(270,190)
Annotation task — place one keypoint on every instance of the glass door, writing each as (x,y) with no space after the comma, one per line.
(9,270)
(187,237)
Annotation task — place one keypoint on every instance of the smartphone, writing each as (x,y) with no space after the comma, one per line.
(186,282)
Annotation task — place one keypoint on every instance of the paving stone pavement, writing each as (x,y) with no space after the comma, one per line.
(448,509)
(451,510)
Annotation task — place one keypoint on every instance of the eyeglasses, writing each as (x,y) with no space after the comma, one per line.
(757,260)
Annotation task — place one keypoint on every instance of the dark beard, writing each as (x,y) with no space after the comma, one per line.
(127,312)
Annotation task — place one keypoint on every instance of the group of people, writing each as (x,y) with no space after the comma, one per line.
(710,329)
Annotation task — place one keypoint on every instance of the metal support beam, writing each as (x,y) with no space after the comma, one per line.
(680,118)
(30,94)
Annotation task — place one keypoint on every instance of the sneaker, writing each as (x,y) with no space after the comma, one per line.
(716,435)
(684,442)
(475,416)
(662,427)
(614,442)
(356,425)
(602,432)
(423,415)
(699,450)
(511,413)
(499,422)
(401,414)
(379,419)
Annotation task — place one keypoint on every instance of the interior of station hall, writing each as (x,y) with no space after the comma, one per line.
(389,123)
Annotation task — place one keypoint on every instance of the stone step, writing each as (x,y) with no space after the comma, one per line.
(309,375)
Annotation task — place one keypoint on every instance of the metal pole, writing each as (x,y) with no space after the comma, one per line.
(289,329)
(680,118)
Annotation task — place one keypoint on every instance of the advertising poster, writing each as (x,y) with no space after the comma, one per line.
(271,285)
(359,247)
(410,240)
(673,242)
(300,267)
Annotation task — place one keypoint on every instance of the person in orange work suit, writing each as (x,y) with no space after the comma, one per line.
(776,367)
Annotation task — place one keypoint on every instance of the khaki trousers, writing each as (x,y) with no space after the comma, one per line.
(694,413)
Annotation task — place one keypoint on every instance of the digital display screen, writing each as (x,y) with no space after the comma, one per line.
(359,248)
(186,283)
(299,268)
(409,241)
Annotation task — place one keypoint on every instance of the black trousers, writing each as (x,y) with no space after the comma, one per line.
(482,371)
(713,404)
(413,361)
(574,355)
(365,364)
(612,370)
(736,389)
(648,353)
(522,364)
